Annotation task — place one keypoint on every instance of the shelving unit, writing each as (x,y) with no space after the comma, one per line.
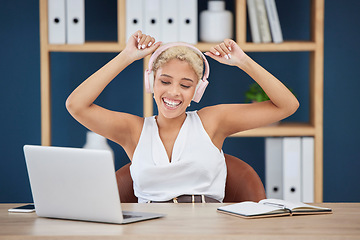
(314,46)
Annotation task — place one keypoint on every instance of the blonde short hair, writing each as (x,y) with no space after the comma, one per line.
(182,53)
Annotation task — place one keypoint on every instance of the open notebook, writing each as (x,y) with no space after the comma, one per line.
(271,208)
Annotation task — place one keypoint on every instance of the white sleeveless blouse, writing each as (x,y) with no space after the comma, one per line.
(197,166)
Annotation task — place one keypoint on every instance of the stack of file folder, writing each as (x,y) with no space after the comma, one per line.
(66,21)
(289,168)
(165,20)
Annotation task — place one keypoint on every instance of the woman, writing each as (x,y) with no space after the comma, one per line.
(177,154)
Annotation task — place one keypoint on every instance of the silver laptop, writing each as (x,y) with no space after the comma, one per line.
(77,184)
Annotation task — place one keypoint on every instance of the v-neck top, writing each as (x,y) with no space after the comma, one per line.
(197,166)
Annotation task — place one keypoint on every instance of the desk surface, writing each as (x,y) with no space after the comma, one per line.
(184,221)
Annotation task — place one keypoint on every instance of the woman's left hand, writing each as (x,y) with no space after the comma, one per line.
(227,52)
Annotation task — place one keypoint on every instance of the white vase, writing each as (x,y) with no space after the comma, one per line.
(96,141)
(216,23)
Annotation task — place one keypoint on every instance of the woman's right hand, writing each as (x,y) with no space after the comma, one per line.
(140,45)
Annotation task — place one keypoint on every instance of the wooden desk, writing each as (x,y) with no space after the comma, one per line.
(188,221)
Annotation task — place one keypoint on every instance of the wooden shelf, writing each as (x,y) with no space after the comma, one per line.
(290,46)
(286,46)
(87,47)
(281,130)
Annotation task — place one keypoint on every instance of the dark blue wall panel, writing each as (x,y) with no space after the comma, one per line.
(20,89)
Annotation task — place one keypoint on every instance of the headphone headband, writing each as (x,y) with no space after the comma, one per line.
(149,75)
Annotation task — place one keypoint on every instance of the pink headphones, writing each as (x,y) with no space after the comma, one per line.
(149,74)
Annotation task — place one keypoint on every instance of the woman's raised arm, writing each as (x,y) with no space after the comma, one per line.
(80,104)
(232,118)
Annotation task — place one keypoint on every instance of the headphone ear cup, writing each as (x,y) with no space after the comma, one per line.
(200,89)
(149,81)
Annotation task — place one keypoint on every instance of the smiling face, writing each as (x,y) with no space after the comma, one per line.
(174,87)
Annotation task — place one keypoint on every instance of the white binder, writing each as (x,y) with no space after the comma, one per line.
(274,22)
(263,21)
(56,22)
(274,167)
(253,21)
(307,169)
(75,16)
(188,27)
(292,168)
(152,19)
(169,21)
(134,17)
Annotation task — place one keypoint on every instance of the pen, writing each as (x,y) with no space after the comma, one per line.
(278,205)
(275,205)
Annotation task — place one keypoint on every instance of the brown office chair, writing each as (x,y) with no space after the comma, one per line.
(242,182)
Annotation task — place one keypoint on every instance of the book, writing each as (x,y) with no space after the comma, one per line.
(253,20)
(271,208)
(274,22)
(263,21)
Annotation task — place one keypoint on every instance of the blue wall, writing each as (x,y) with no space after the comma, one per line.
(20,90)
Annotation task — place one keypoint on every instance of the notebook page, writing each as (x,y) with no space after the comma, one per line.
(251,209)
(291,205)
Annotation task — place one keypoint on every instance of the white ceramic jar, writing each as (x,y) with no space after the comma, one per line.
(216,23)
(96,141)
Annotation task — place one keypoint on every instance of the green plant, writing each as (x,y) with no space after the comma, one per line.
(256,94)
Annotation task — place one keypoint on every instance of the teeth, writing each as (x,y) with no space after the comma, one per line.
(171,103)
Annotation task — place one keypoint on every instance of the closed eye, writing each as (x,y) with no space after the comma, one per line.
(165,82)
(184,86)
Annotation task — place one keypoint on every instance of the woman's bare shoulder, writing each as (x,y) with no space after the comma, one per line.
(210,111)
(210,117)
